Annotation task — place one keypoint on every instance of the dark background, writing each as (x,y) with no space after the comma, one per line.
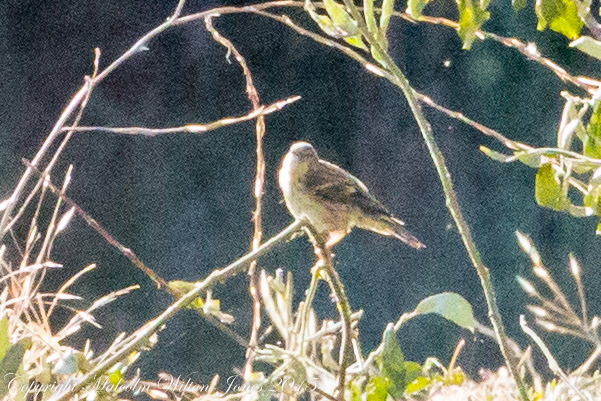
(183,202)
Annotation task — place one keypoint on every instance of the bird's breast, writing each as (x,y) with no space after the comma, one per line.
(285,175)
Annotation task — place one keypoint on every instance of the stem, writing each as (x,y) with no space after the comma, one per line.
(305,310)
(452,203)
(343,305)
(253,96)
(344,308)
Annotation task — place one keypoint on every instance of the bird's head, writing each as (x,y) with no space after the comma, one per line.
(303,152)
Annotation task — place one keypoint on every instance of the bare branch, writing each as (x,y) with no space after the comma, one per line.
(191,128)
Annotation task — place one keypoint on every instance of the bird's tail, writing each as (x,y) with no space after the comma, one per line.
(391,226)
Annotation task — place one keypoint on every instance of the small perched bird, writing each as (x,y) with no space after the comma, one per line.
(333,200)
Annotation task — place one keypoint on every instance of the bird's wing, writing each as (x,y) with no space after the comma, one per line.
(332,184)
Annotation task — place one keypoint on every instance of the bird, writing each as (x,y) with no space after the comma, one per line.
(332,200)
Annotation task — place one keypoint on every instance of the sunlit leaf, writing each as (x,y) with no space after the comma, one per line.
(412,371)
(115,374)
(356,41)
(500,157)
(325,23)
(547,188)
(415,7)
(181,287)
(375,53)
(588,45)
(370,16)
(418,385)
(451,306)
(531,159)
(387,10)
(471,17)
(592,147)
(341,19)
(398,372)
(376,389)
(560,15)
(592,199)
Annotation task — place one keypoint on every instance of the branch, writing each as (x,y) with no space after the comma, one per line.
(192,128)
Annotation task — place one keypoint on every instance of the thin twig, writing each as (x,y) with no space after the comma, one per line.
(551,362)
(527,49)
(191,128)
(128,253)
(253,96)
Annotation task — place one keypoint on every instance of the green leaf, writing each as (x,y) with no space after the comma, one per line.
(418,385)
(500,157)
(10,364)
(398,372)
(412,371)
(451,306)
(415,8)
(181,287)
(531,159)
(22,391)
(588,45)
(69,363)
(387,10)
(392,356)
(356,41)
(594,125)
(355,392)
(341,19)
(593,198)
(471,17)
(4,337)
(547,188)
(377,389)
(518,4)
(370,17)
(592,147)
(324,22)
(375,53)
(560,15)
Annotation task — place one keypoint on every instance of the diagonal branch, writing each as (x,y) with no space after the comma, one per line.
(140,336)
